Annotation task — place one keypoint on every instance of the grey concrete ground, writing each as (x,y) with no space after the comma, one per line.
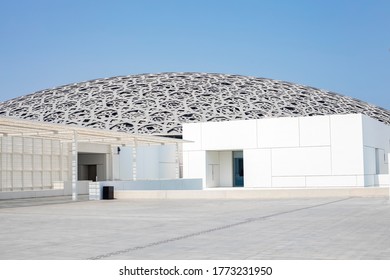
(55,228)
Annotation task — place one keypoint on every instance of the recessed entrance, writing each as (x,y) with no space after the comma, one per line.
(238,169)
(91,167)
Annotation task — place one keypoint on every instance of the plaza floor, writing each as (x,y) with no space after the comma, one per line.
(286,229)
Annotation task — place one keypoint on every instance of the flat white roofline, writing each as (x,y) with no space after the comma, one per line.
(26,128)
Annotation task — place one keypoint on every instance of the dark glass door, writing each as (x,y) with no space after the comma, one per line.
(238,169)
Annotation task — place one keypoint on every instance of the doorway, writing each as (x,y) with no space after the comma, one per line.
(92,172)
(92,167)
(238,169)
(88,172)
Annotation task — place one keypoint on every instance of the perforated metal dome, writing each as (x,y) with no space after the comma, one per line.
(159,103)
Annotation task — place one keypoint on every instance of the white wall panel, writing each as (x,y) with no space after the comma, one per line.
(17,179)
(347,145)
(55,162)
(301,161)
(185,164)
(167,170)
(257,168)
(55,147)
(229,135)
(360,180)
(27,179)
(55,176)
(28,145)
(17,145)
(27,162)
(192,132)
(37,161)
(17,160)
(125,163)
(196,167)
(46,179)
(331,181)
(166,153)
(37,179)
(148,162)
(369,161)
(369,180)
(278,132)
(226,169)
(167,161)
(37,146)
(288,182)
(212,157)
(376,134)
(46,146)
(382,180)
(381,161)
(93,148)
(46,162)
(212,169)
(314,131)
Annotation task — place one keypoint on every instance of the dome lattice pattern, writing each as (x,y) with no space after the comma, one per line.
(159,103)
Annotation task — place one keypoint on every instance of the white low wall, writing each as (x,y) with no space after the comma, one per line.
(168,184)
(66,189)
(249,193)
(382,180)
(96,188)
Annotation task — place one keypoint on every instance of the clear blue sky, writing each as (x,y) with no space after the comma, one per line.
(337,45)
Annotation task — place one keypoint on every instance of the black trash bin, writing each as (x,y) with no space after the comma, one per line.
(108,192)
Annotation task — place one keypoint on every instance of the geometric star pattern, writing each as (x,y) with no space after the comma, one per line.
(160,103)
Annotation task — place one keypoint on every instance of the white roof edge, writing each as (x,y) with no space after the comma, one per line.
(29,128)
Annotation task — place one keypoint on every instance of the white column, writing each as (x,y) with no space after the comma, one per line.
(134,165)
(74,166)
(388,172)
(177,161)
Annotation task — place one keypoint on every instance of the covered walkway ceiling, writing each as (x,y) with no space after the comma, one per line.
(66,133)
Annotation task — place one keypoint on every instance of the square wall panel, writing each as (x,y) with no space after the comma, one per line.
(28,145)
(56,147)
(27,179)
(196,164)
(212,169)
(288,182)
(347,144)
(303,161)
(376,134)
(229,135)
(17,144)
(369,161)
(185,164)
(192,132)
(27,162)
(226,168)
(314,131)
(17,162)
(257,168)
(278,132)
(331,181)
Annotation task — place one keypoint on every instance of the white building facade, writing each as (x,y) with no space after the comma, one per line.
(40,159)
(289,152)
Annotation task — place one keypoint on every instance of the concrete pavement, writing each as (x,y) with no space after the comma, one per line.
(321,228)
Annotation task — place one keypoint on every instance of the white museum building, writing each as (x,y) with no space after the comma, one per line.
(189,132)
(310,152)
